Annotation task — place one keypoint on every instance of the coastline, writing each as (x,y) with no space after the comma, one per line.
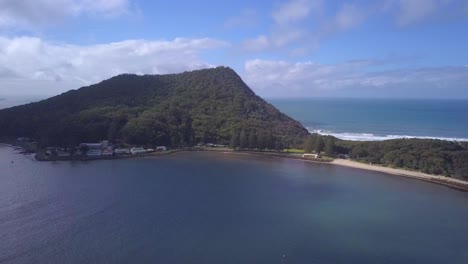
(437,179)
(443,180)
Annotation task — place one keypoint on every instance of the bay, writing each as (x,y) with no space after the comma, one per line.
(222,208)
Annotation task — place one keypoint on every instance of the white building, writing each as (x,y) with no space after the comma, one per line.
(122,151)
(136,151)
(308,155)
(91,145)
(63,153)
(108,151)
(94,153)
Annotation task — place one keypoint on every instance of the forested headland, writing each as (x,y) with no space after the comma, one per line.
(210,105)
(204,106)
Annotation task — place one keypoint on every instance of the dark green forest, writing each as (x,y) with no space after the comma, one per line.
(208,105)
(427,155)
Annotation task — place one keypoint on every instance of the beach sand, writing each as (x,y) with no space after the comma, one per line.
(458,184)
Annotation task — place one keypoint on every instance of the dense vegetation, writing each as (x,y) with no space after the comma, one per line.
(427,155)
(210,105)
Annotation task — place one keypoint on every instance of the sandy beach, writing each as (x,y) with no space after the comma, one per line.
(459,184)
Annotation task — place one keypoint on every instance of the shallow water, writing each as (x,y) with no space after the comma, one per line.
(222,208)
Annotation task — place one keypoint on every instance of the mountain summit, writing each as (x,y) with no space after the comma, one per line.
(209,105)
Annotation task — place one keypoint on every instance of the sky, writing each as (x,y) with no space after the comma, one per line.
(281,48)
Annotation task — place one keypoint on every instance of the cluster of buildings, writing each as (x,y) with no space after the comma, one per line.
(211,145)
(309,155)
(98,150)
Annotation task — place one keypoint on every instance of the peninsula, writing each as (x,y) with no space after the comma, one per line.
(133,114)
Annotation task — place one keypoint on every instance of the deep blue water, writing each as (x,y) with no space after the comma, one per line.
(380,119)
(222,208)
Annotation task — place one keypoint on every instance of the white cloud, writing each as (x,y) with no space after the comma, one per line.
(247,18)
(301,25)
(27,14)
(284,37)
(349,16)
(287,29)
(281,78)
(256,44)
(31,63)
(409,12)
(412,11)
(295,10)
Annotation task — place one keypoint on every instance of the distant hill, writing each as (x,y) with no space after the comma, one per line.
(210,105)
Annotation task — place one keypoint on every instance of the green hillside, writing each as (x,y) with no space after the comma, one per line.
(210,105)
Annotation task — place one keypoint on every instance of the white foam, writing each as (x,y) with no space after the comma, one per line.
(372,137)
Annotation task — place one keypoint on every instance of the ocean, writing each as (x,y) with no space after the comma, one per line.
(10,101)
(380,119)
(215,208)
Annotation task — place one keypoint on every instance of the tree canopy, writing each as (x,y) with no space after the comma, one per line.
(176,109)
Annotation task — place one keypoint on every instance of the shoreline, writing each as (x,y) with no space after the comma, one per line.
(442,180)
(437,179)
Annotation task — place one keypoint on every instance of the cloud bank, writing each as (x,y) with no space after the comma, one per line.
(305,24)
(30,14)
(351,79)
(29,63)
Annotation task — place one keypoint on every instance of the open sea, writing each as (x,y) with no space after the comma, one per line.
(212,208)
(380,119)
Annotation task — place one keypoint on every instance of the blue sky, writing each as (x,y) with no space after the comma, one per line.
(288,48)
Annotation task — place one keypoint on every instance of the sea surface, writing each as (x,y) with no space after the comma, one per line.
(10,101)
(212,208)
(380,119)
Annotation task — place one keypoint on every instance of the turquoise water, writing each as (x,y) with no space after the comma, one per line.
(223,208)
(380,119)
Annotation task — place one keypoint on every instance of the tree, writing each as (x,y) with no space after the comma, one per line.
(234,143)
(278,146)
(330,146)
(252,141)
(243,140)
(261,141)
(319,144)
(84,148)
(461,165)
(269,142)
(309,144)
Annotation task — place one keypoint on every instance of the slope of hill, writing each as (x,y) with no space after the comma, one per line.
(210,105)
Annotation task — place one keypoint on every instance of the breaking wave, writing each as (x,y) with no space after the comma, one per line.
(373,137)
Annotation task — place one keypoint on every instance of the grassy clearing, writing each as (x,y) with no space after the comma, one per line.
(292,150)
